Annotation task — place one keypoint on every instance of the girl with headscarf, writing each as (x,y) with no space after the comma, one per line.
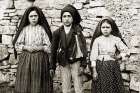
(32,44)
(107,48)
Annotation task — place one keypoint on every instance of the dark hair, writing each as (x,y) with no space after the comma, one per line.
(25,21)
(73,11)
(41,21)
(115,31)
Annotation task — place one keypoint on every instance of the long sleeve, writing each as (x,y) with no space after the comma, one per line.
(122,47)
(20,42)
(83,47)
(82,39)
(46,42)
(94,52)
(54,47)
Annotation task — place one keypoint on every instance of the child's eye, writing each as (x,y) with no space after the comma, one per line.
(64,16)
(69,15)
(105,27)
(31,16)
(35,15)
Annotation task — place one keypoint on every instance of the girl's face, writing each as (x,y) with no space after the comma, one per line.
(33,18)
(67,19)
(106,29)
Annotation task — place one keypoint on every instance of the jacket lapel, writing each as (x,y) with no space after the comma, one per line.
(70,36)
(66,41)
(63,37)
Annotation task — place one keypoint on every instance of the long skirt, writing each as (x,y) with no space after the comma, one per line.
(109,78)
(33,73)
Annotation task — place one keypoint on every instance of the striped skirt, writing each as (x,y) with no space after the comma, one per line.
(33,73)
(109,78)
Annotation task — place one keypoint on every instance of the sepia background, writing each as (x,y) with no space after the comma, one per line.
(126,14)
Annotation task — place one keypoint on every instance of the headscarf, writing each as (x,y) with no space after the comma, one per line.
(115,31)
(73,11)
(25,21)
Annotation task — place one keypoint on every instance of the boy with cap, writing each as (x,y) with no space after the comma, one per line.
(69,49)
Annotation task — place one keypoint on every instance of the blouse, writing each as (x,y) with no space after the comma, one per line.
(33,36)
(105,47)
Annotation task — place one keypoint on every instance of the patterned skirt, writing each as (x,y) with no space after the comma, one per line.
(33,73)
(109,78)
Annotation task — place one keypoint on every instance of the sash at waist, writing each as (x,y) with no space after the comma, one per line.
(105,58)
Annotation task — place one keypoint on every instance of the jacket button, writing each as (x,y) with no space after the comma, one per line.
(70,58)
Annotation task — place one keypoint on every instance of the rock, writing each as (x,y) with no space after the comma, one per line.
(10,11)
(133,68)
(83,1)
(88,42)
(135,6)
(62,2)
(134,50)
(10,4)
(3,78)
(83,13)
(3,52)
(6,18)
(44,4)
(134,58)
(87,85)
(10,30)
(135,82)
(53,28)
(86,34)
(56,24)
(53,13)
(5,67)
(87,25)
(7,39)
(103,11)
(135,41)
(14,66)
(122,66)
(5,22)
(20,12)
(126,84)
(96,4)
(22,4)
(78,5)
(126,76)
(12,60)
(90,31)
(13,70)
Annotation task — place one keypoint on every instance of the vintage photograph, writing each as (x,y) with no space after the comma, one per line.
(69,46)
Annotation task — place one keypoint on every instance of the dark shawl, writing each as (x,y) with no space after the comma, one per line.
(115,31)
(25,21)
(74,12)
(41,21)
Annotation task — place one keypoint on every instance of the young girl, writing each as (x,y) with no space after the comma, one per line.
(107,48)
(32,44)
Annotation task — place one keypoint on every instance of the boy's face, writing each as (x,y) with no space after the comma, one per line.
(33,18)
(67,19)
(106,29)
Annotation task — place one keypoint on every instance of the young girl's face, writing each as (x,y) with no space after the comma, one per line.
(33,18)
(106,28)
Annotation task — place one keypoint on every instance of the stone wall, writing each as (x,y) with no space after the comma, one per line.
(126,13)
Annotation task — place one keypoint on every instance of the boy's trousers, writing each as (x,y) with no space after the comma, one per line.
(70,73)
